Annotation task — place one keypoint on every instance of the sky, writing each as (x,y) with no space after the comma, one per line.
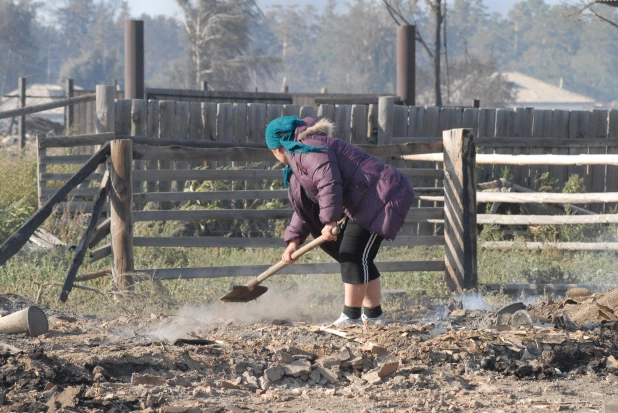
(168,7)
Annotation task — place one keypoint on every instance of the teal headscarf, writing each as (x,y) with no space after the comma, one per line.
(287,125)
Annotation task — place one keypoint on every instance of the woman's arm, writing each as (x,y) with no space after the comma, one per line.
(297,229)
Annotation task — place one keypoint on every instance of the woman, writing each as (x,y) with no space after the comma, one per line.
(328,178)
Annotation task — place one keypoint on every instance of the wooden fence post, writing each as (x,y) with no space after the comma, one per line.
(460,230)
(121,200)
(385,120)
(106,96)
(22,104)
(69,109)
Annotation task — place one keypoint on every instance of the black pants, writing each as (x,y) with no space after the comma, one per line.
(359,248)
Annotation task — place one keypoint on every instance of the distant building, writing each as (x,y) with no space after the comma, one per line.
(535,93)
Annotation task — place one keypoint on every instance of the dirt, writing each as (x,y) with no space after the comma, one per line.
(463,360)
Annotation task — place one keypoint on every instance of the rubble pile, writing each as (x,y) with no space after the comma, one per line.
(512,360)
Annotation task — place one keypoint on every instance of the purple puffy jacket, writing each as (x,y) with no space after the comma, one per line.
(344,179)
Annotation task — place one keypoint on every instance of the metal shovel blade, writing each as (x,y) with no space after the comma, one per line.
(243,294)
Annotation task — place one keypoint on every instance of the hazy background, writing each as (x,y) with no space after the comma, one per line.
(346,47)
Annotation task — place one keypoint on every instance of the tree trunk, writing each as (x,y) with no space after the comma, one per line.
(436,57)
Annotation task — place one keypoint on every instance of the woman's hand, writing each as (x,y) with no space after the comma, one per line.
(327,231)
(287,254)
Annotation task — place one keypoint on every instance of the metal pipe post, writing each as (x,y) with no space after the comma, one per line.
(68,110)
(134,59)
(22,118)
(406,64)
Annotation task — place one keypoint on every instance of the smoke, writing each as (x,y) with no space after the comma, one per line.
(306,305)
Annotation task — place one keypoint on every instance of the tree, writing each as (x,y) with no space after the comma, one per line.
(17,41)
(399,16)
(219,38)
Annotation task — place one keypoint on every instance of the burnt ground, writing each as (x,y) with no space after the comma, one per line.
(486,361)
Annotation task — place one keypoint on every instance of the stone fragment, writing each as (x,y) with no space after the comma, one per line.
(297,368)
(314,375)
(372,377)
(284,357)
(228,385)
(387,365)
(334,360)
(356,362)
(274,373)
(295,351)
(329,375)
(375,349)
(179,381)
(611,364)
(100,370)
(250,380)
(147,379)
(67,399)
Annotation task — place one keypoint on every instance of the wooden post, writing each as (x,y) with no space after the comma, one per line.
(385,120)
(204,85)
(22,104)
(106,95)
(121,199)
(139,127)
(460,230)
(68,110)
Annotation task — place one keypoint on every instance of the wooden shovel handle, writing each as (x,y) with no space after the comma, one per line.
(295,255)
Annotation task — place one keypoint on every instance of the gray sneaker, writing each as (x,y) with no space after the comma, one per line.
(379,320)
(345,320)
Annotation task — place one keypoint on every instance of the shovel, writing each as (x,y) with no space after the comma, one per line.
(251,291)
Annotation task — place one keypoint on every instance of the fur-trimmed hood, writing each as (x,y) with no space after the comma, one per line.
(323,127)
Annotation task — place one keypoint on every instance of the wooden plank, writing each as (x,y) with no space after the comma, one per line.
(64,176)
(212,195)
(560,129)
(400,128)
(547,219)
(121,201)
(209,116)
(470,120)
(414,215)
(80,251)
(563,246)
(79,192)
(460,210)
(523,123)
(611,182)
(14,243)
(63,159)
(308,112)
(343,122)
(595,175)
(487,129)
(291,110)
(372,122)
(257,122)
(241,174)
(416,125)
(566,160)
(240,123)
(166,130)
(252,270)
(326,111)
(153,130)
(75,140)
(542,126)
(181,132)
(219,95)
(57,103)
(273,112)
(196,128)
(139,127)
(579,128)
(241,242)
(358,133)
(541,197)
(101,231)
(385,120)
(505,127)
